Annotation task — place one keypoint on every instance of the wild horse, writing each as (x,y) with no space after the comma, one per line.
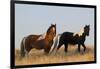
(73,38)
(34,41)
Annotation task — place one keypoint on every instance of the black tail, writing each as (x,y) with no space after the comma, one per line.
(22,48)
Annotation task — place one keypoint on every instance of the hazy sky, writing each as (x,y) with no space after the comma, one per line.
(36,19)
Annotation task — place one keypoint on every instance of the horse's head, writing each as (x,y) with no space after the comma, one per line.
(87,29)
(51,32)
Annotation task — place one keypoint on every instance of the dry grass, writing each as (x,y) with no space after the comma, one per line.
(38,56)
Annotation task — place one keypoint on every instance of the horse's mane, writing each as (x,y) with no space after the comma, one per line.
(50,28)
(80,33)
(42,36)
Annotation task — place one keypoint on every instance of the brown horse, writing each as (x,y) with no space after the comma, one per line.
(34,41)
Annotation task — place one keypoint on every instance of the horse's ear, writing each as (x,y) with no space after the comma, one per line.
(87,25)
(55,24)
(51,24)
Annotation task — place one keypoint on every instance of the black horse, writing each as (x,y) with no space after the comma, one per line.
(34,41)
(71,38)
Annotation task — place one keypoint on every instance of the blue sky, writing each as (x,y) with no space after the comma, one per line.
(36,19)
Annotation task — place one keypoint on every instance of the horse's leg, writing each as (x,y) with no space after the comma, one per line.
(78,47)
(84,46)
(60,44)
(46,50)
(66,47)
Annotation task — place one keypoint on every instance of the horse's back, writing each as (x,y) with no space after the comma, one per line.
(30,39)
(34,36)
(67,35)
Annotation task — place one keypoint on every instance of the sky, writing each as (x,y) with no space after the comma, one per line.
(36,19)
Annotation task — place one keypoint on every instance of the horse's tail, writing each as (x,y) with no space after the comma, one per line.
(56,42)
(22,48)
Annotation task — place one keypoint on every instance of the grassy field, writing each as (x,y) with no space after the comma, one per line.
(38,56)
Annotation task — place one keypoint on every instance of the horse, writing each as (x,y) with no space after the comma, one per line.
(72,38)
(35,41)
